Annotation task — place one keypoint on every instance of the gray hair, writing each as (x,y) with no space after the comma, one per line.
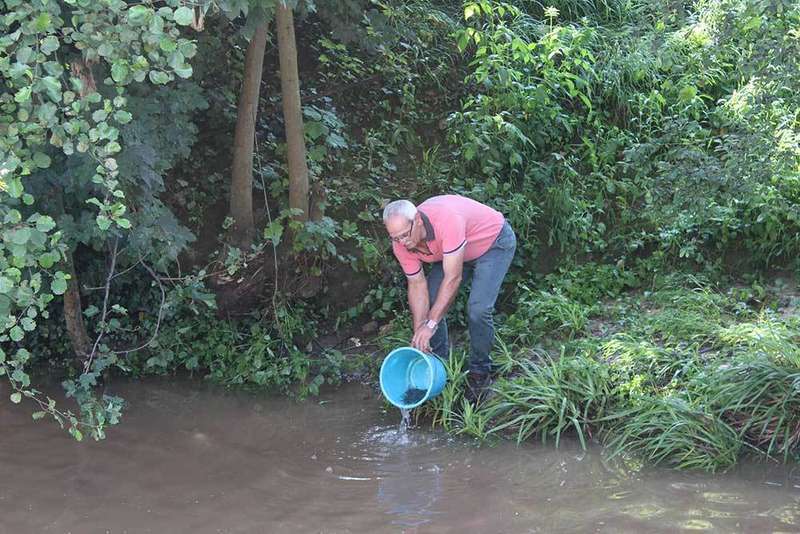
(404,208)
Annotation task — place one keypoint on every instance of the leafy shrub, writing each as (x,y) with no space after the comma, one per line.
(545,313)
(591,282)
(639,366)
(241,354)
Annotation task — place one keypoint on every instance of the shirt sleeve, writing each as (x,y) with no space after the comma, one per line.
(453,233)
(411,266)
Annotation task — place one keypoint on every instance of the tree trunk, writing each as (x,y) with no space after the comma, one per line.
(317,202)
(241,201)
(292,113)
(73,314)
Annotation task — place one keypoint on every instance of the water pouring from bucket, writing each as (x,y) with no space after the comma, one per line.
(410,377)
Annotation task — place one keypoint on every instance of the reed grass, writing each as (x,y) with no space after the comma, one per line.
(689,380)
(549,399)
(675,431)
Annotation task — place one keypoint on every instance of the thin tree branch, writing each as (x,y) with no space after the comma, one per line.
(115,276)
(274,247)
(88,364)
(160,310)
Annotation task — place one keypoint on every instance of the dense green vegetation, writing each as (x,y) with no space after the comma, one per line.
(647,153)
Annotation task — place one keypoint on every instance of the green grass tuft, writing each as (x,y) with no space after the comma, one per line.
(550,398)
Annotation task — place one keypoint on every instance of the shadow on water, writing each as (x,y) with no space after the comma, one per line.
(193,458)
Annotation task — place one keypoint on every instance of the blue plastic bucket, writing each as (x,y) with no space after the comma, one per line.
(406,369)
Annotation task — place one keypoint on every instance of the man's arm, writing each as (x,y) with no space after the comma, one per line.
(418,299)
(453,267)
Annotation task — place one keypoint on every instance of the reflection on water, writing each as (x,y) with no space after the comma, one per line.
(408,488)
(191,458)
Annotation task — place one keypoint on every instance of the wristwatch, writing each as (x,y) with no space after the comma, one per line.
(430,323)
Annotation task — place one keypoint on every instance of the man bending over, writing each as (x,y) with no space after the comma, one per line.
(457,236)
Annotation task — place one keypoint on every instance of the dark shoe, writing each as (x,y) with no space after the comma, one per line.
(478,385)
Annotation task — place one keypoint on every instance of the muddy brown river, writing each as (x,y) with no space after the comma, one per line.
(193,458)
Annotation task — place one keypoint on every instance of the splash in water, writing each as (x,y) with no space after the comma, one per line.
(411,396)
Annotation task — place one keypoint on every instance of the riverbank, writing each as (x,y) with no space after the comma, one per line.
(686,373)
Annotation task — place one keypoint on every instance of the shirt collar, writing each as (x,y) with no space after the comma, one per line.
(430,235)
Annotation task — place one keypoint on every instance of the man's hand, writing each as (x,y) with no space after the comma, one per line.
(422,338)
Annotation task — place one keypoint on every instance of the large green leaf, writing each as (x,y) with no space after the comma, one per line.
(119,71)
(41,160)
(16,333)
(49,45)
(139,15)
(59,285)
(184,16)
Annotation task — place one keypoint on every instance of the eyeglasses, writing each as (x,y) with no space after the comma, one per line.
(405,235)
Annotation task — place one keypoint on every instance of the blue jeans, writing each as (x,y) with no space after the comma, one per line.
(488,272)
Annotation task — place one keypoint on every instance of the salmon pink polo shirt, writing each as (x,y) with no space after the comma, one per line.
(452,222)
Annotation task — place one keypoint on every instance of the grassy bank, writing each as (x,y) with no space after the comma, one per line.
(685,374)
